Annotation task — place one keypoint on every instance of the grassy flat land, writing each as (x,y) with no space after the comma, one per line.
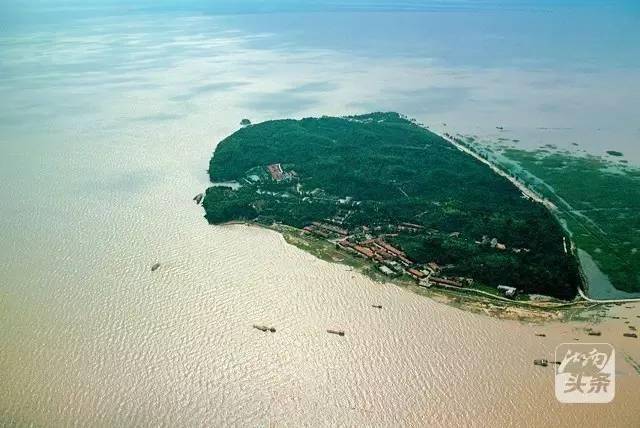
(599,200)
(380,179)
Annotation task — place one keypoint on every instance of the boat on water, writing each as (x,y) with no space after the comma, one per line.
(338,332)
(264,328)
(155,267)
(541,362)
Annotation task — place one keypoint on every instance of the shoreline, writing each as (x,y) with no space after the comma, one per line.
(582,291)
(467,299)
(301,239)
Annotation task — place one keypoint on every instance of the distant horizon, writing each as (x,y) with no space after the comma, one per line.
(15,8)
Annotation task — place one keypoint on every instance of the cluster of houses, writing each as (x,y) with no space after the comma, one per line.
(273,172)
(278,174)
(391,260)
(327,231)
(494,243)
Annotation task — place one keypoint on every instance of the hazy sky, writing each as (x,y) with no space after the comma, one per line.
(570,64)
(17,7)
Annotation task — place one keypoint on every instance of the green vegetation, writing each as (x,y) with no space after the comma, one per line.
(598,200)
(370,174)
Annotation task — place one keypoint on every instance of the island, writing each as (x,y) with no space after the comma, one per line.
(382,188)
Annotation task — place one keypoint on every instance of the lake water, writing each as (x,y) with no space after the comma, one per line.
(109,116)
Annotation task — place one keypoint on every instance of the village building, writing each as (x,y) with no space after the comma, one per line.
(416,273)
(433,267)
(276,171)
(386,270)
(364,251)
(507,291)
(445,282)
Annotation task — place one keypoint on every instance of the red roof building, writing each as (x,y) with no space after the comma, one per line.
(444,281)
(276,171)
(416,273)
(364,251)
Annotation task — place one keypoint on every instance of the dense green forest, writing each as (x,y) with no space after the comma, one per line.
(381,170)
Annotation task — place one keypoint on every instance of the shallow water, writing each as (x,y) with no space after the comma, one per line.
(106,128)
(600,286)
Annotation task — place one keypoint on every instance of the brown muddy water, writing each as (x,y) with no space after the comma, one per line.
(107,126)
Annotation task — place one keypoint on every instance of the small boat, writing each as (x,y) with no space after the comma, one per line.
(634,335)
(155,267)
(198,198)
(594,333)
(377,306)
(264,328)
(338,332)
(541,362)
(541,335)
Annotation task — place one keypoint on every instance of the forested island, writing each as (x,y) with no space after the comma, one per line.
(381,187)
